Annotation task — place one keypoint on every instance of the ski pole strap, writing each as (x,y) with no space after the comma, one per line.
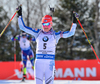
(88,39)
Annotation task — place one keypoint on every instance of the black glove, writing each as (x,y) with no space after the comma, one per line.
(19,10)
(75,16)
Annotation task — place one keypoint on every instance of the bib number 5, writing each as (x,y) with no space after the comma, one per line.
(44,46)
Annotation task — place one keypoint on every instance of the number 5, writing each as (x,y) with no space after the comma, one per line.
(44,45)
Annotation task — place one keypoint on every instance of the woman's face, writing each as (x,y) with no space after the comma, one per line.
(46,26)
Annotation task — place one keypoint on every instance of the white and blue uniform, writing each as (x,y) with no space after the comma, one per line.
(45,50)
(24,43)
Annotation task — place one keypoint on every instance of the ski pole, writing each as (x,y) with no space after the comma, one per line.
(88,39)
(15,54)
(9,21)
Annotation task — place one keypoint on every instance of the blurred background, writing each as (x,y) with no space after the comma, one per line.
(73,48)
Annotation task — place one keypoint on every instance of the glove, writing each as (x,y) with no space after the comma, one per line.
(75,16)
(19,10)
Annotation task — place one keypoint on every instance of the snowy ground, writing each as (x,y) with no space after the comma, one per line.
(55,82)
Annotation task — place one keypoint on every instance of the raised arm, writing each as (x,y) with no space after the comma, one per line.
(25,28)
(70,33)
(73,27)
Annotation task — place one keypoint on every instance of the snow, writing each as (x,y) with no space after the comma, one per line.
(55,82)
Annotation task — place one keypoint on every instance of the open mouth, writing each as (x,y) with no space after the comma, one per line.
(45,28)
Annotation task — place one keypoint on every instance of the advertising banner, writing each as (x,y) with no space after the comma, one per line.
(77,70)
(65,70)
